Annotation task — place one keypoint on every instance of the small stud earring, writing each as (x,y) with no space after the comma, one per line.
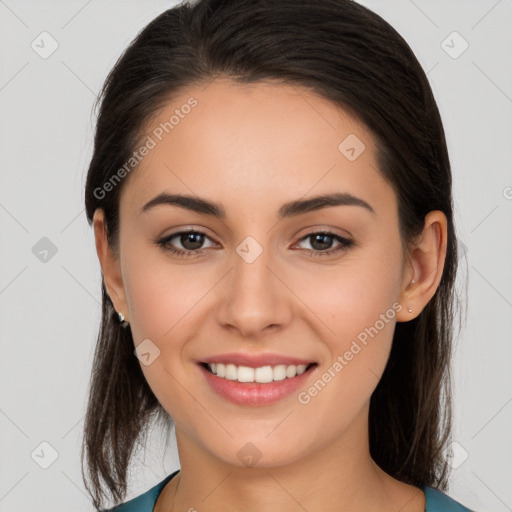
(122,321)
(409,309)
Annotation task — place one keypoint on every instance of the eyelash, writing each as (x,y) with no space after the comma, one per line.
(164,243)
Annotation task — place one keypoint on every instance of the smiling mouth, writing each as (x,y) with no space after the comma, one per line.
(261,374)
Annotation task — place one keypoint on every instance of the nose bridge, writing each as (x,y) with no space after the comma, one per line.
(253,298)
(251,267)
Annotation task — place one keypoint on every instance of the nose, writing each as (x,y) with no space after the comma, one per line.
(254,298)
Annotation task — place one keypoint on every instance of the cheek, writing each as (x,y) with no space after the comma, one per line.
(163,296)
(165,301)
(355,307)
(362,320)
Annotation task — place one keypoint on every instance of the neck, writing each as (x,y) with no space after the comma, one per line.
(339,477)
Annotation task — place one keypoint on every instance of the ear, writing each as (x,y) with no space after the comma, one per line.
(110,265)
(426,262)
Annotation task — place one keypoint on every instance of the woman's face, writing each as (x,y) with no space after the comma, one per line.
(265,278)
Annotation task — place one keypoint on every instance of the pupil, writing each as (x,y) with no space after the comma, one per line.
(322,237)
(189,237)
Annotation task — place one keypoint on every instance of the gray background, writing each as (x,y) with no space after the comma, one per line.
(50,302)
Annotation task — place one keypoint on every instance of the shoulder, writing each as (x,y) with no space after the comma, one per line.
(145,502)
(438,501)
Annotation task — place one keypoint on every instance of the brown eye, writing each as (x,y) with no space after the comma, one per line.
(321,243)
(191,241)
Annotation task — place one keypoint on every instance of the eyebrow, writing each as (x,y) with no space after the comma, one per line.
(291,209)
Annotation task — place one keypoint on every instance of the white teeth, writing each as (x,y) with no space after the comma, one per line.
(279,372)
(291,371)
(301,369)
(263,374)
(245,374)
(231,372)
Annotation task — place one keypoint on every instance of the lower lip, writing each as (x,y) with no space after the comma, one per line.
(255,393)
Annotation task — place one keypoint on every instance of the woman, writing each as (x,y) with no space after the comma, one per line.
(270,192)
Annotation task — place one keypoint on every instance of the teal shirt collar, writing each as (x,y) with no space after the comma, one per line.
(436,501)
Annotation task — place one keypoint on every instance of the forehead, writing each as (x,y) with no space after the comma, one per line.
(262,141)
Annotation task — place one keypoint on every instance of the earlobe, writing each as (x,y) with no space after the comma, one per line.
(109,263)
(427,259)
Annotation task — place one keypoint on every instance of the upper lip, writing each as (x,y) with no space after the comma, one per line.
(255,360)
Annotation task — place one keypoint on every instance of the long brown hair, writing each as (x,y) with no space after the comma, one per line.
(351,56)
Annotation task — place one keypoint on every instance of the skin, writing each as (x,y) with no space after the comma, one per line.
(253,148)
